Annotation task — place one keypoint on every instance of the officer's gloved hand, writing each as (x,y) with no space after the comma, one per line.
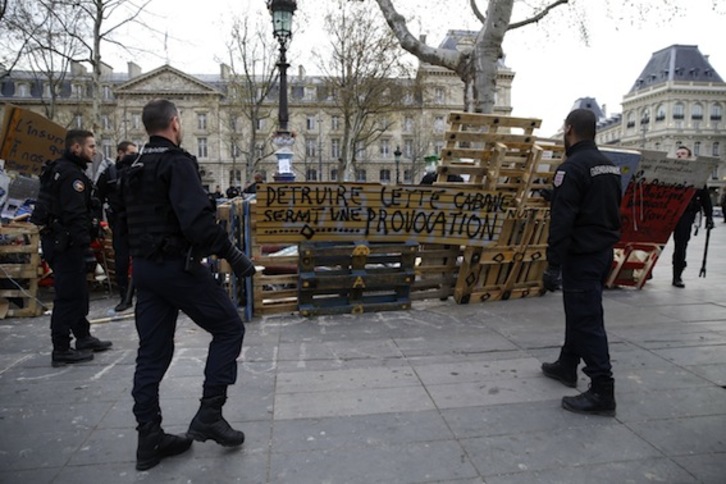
(241,265)
(709,223)
(552,278)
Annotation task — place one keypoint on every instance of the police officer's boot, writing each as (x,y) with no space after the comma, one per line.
(208,423)
(677,281)
(92,343)
(70,356)
(127,295)
(567,375)
(155,444)
(598,400)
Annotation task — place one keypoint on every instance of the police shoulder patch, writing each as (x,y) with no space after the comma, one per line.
(559,178)
(79,186)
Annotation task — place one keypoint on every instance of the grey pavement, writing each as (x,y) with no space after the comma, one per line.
(443,393)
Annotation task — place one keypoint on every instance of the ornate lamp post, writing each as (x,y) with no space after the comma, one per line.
(397,156)
(282,12)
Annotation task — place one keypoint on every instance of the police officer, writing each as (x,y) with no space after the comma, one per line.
(65,213)
(584,227)
(682,233)
(171,225)
(107,190)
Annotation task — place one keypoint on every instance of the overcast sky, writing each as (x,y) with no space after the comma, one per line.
(554,65)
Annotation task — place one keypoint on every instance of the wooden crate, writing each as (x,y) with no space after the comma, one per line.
(19,266)
(349,278)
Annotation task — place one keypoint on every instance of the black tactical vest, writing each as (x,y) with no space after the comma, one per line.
(153,228)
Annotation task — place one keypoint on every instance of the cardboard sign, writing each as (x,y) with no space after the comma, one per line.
(379,213)
(627,160)
(28,140)
(658,195)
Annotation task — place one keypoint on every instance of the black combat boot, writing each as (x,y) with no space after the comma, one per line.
(208,423)
(557,371)
(155,444)
(677,280)
(598,400)
(92,343)
(70,356)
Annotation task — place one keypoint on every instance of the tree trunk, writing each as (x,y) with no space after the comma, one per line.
(487,52)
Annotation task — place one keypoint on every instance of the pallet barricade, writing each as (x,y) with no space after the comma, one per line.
(19,266)
(350,278)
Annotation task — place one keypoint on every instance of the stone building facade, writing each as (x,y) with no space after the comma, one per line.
(417,129)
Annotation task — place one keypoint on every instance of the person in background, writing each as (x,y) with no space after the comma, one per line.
(252,187)
(232,192)
(217,193)
(585,225)
(682,233)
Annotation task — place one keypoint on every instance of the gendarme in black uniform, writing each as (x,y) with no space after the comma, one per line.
(585,224)
(168,215)
(66,213)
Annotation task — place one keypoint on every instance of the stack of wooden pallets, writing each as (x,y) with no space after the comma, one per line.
(19,266)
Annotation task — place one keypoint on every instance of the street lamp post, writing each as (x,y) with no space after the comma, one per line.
(282,12)
(397,156)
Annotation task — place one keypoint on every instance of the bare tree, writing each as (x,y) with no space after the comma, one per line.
(363,76)
(477,67)
(253,78)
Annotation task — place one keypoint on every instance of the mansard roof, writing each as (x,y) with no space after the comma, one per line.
(676,63)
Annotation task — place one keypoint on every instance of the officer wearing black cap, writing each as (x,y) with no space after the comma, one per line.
(65,213)
(584,227)
(171,225)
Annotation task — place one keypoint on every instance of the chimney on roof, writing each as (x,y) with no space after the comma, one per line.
(301,71)
(134,70)
(225,71)
(77,69)
(604,111)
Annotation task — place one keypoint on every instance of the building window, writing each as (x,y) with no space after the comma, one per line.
(678,111)
(260,124)
(335,148)
(360,150)
(438,147)
(202,121)
(335,123)
(334,174)
(360,175)
(105,122)
(107,147)
(697,148)
(439,124)
(47,90)
(407,178)
(645,116)
(310,122)
(385,148)
(697,112)
(660,113)
(22,90)
(408,124)
(715,112)
(716,150)
(235,177)
(384,175)
(631,120)
(202,151)
(77,91)
(408,148)
(439,95)
(78,121)
(310,148)
(135,121)
(311,174)
(107,93)
(234,150)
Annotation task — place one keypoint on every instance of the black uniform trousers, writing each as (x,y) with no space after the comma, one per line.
(121,256)
(583,276)
(164,288)
(681,236)
(70,304)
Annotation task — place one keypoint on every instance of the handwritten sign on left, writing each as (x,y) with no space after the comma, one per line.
(28,140)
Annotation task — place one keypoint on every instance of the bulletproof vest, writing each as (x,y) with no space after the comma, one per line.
(153,228)
(46,210)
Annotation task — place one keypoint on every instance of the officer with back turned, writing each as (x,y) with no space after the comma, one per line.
(66,214)
(584,227)
(171,226)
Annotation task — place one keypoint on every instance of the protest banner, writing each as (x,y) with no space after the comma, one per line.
(28,139)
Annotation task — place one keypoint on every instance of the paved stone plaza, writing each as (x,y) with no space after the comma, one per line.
(441,393)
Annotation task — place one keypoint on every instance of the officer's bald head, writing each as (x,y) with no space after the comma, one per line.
(582,122)
(158,115)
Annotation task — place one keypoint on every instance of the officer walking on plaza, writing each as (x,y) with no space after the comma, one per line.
(171,226)
(66,216)
(584,227)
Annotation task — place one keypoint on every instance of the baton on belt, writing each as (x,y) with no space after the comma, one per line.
(702,273)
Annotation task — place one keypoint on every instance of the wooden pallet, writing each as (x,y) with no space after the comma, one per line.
(19,266)
(344,279)
(633,263)
(436,271)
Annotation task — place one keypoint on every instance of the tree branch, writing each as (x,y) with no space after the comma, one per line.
(537,17)
(477,12)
